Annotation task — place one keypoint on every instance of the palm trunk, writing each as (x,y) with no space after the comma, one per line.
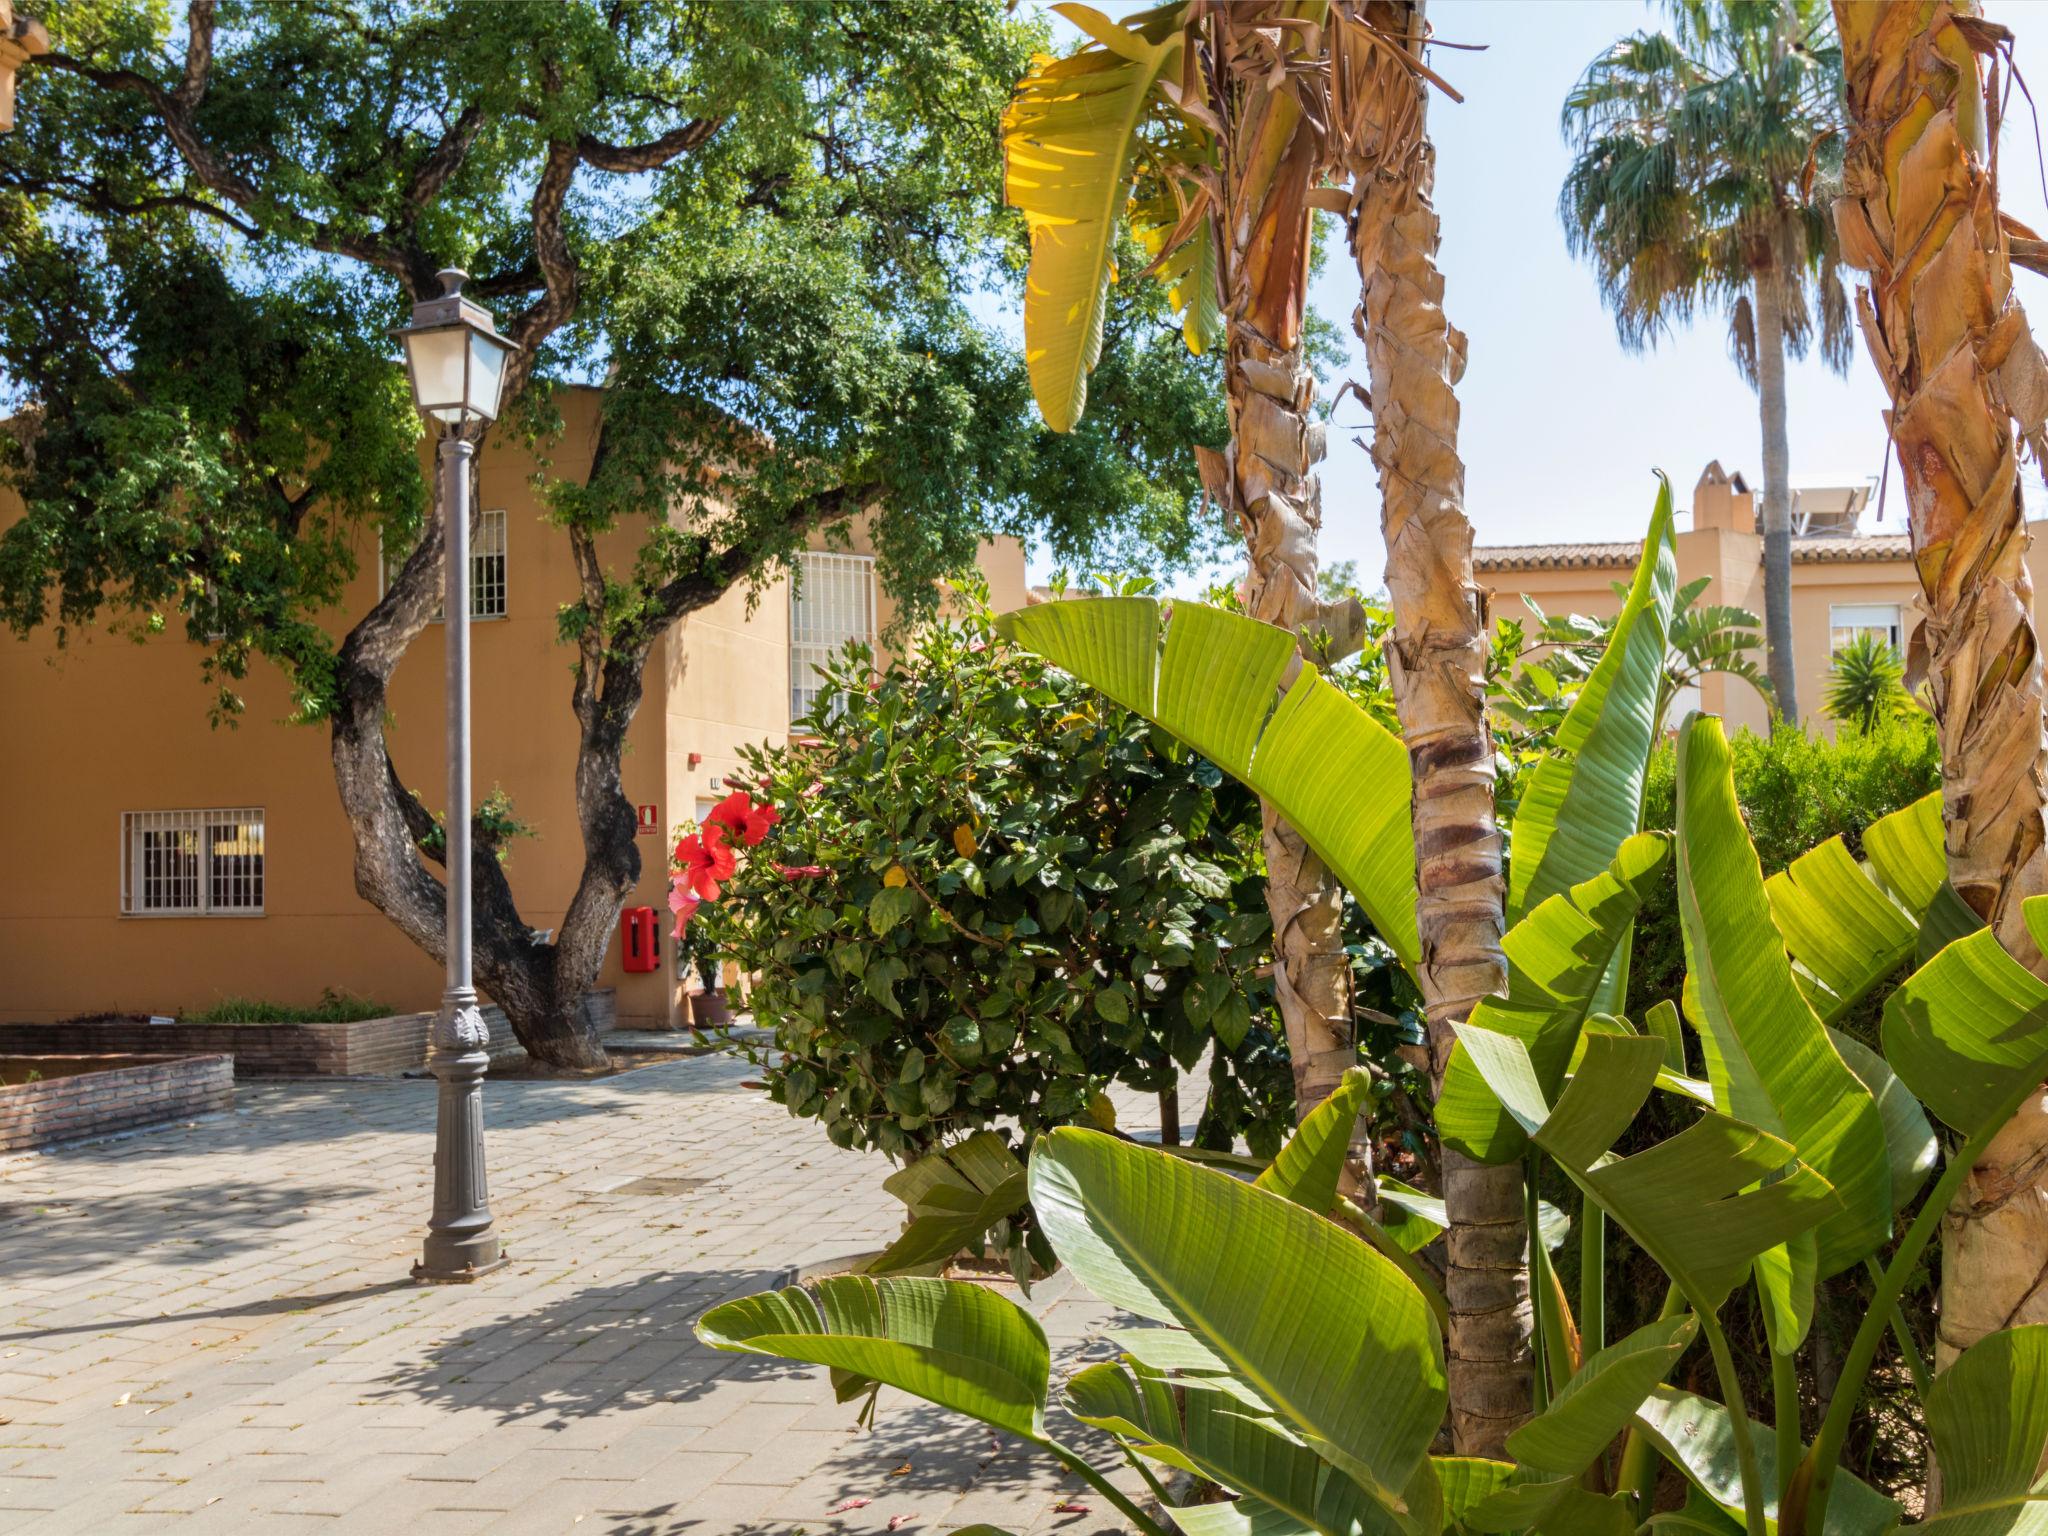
(1920,214)
(1770,390)
(1437,660)
(1276,497)
(1273,452)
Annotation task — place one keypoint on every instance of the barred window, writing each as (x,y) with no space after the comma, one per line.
(834,603)
(487,568)
(192,863)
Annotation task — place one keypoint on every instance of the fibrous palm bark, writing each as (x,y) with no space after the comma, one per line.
(1414,358)
(1920,214)
(1274,154)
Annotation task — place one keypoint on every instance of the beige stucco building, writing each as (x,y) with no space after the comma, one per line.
(158,864)
(1846,579)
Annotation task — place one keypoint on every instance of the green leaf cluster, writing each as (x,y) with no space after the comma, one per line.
(1024,896)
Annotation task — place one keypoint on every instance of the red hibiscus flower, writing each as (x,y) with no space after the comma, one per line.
(706,860)
(744,819)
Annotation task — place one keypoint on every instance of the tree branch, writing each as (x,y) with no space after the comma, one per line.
(652,155)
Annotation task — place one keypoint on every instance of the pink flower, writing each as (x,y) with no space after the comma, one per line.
(706,860)
(684,903)
(744,819)
(800,871)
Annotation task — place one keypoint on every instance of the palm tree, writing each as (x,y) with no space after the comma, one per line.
(1201,129)
(1865,684)
(1693,184)
(1414,357)
(1919,213)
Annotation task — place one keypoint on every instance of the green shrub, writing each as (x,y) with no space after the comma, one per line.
(988,896)
(333,1008)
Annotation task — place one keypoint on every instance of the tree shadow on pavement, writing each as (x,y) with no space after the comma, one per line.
(191,1226)
(603,1349)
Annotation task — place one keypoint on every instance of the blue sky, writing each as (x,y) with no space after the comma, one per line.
(1562,428)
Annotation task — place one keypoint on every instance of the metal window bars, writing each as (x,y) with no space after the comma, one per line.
(834,603)
(489,568)
(192,863)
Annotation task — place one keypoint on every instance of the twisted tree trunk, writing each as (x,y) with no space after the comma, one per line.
(1414,358)
(1920,214)
(1770,393)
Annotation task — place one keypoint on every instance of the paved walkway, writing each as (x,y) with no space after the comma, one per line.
(208,1328)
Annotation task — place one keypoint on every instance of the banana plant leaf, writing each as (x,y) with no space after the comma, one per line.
(1969,1029)
(1768,1056)
(1338,776)
(1584,801)
(1532,1501)
(1693,1202)
(1240,1517)
(1849,926)
(1311,1162)
(1909,1141)
(1346,1353)
(1988,1416)
(1211,1435)
(1557,956)
(954,1195)
(1599,1402)
(1070,139)
(958,1345)
(1697,1436)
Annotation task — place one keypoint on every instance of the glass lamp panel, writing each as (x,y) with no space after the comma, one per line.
(486,374)
(435,360)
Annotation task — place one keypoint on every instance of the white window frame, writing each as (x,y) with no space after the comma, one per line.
(1885,620)
(834,602)
(490,569)
(151,887)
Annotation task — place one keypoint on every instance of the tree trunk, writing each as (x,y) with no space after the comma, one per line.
(1770,391)
(541,987)
(1920,214)
(1437,661)
(1273,491)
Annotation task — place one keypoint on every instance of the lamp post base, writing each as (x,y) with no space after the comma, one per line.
(462,1241)
(467,1275)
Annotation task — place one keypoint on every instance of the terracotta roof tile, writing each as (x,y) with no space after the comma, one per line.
(1557,557)
(1622,554)
(1869,546)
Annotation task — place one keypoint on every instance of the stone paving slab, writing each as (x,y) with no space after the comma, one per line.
(209,1328)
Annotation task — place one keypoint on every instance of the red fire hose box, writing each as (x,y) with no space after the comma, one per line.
(637,949)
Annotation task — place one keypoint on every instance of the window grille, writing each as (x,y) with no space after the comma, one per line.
(834,603)
(1846,621)
(192,863)
(488,567)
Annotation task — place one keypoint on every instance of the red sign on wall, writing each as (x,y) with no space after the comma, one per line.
(650,820)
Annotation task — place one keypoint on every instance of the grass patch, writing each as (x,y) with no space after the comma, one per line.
(333,1008)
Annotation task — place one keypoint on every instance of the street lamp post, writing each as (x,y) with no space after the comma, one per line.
(456,359)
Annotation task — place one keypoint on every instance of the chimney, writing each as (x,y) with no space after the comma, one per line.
(1722,500)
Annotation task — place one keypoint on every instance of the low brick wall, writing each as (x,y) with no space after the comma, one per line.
(122,1095)
(362,1048)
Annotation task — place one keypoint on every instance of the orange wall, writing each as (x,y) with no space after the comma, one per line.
(1735,562)
(106,725)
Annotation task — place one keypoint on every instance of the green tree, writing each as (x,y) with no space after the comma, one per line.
(1694,185)
(756,223)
